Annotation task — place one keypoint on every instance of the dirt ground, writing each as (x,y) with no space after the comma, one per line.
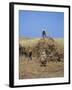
(29,69)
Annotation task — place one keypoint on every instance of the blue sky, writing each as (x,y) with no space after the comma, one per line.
(32,23)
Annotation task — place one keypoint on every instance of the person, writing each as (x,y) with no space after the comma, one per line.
(43,34)
(30,54)
(43,58)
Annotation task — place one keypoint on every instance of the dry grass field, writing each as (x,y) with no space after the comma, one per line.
(31,68)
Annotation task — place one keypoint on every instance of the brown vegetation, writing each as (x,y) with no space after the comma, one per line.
(47,59)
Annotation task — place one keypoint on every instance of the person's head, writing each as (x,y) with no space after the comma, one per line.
(43,31)
(30,50)
(43,52)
